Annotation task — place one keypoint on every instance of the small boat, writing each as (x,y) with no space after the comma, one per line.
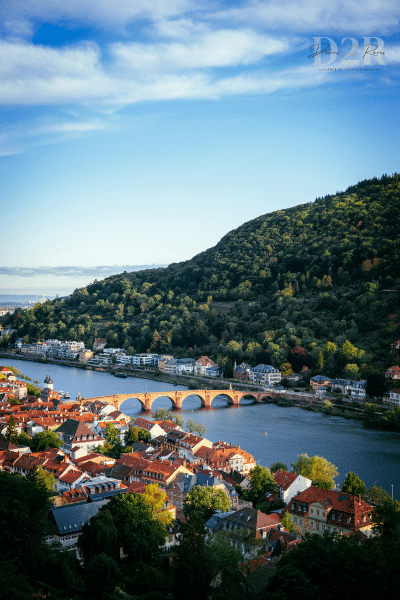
(123,375)
(66,395)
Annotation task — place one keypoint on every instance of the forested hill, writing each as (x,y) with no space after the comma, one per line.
(314,277)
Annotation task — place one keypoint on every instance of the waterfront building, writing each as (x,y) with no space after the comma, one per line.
(265,375)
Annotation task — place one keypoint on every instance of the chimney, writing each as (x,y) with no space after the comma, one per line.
(359,498)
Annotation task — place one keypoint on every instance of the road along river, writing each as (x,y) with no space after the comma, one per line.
(269,432)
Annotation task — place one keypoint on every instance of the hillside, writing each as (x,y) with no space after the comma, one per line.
(290,286)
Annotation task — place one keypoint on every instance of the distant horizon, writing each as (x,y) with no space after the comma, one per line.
(62,281)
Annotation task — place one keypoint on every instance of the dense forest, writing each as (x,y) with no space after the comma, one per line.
(316,285)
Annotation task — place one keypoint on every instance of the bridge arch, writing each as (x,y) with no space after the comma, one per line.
(133,397)
(196,394)
(157,395)
(249,396)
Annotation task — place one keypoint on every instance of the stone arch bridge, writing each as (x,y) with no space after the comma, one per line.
(178,396)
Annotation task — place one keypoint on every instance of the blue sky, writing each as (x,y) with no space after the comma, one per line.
(139,132)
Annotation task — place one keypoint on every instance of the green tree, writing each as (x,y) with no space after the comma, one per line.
(376,495)
(113,438)
(351,353)
(310,570)
(386,517)
(135,434)
(162,414)
(99,536)
(226,563)
(24,439)
(351,371)
(321,472)
(101,577)
(45,439)
(33,390)
(278,466)
(24,522)
(205,501)
(157,499)
(375,385)
(13,401)
(353,485)
(139,534)
(287,522)
(261,482)
(200,429)
(43,479)
(286,369)
(191,570)
(193,427)
(11,431)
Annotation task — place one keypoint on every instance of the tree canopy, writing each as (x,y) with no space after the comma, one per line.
(45,439)
(139,533)
(332,567)
(321,472)
(204,501)
(261,482)
(353,485)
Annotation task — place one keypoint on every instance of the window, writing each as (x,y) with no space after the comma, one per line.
(312,511)
(317,513)
(317,526)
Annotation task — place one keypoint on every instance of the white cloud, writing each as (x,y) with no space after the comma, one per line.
(68,127)
(43,75)
(392,54)
(223,48)
(35,74)
(20,28)
(35,60)
(319,18)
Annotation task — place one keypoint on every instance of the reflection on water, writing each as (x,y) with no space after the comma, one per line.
(373,454)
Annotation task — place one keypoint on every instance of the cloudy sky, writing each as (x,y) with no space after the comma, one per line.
(139,132)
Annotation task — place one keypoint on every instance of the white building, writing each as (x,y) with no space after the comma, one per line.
(357,390)
(265,374)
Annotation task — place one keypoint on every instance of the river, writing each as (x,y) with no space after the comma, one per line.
(269,432)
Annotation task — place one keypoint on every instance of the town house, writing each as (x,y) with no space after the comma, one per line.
(317,510)
(290,484)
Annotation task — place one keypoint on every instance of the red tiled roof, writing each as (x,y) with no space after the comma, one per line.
(284,478)
(70,476)
(353,508)
(136,487)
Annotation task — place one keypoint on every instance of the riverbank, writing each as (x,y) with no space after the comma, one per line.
(375,419)
(190,381)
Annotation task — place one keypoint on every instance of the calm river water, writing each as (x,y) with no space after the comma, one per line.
(270,433)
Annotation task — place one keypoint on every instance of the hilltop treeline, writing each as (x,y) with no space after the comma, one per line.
(316,285)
